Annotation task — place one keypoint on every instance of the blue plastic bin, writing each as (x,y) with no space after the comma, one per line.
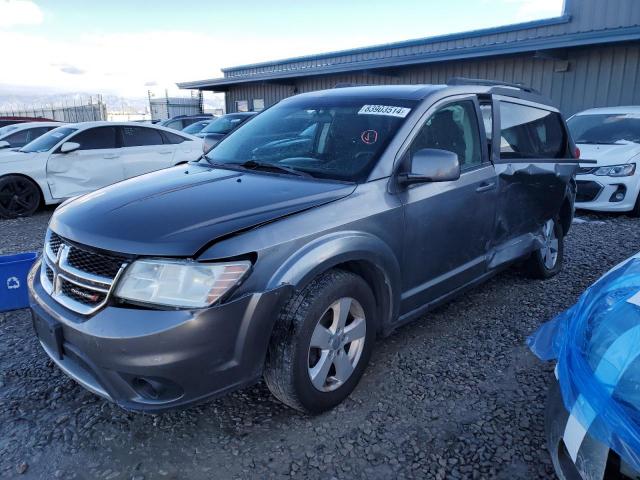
(13,280)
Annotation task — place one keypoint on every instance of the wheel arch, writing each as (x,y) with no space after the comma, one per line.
(360,253)
(566,215)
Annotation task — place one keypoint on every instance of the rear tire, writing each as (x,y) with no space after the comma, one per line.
(19,197)
(322,342)
(546,262)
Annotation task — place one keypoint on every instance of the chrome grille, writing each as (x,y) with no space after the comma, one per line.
(76,277)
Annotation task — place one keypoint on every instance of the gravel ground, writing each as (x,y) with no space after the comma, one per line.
(455,395)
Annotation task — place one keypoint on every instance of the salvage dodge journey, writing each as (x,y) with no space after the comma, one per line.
(328,220)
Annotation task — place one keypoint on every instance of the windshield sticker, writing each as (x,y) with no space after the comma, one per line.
(57,134)
(369,137)
(387,110)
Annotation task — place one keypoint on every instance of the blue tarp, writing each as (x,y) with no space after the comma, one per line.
(596,344)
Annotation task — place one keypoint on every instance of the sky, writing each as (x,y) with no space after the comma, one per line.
(126,47)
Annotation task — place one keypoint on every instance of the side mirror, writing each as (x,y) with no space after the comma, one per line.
(68,147)
(432,165)
(4,144)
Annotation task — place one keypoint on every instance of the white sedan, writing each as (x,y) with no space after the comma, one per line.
(18,135)
(611,136)
(79,158)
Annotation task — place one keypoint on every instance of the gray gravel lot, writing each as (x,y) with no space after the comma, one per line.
(455,395)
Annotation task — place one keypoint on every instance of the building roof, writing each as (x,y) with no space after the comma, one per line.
(616,21)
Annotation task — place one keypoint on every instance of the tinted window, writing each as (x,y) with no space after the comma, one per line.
(331,137)
(529,132)
(453,128)
(605,129)
(18,139)
(196,127)
(140,136)
(173,138)
(36,132)
(49,140)
(176,125)
(96,138)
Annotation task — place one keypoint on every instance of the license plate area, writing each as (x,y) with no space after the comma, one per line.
(50,333)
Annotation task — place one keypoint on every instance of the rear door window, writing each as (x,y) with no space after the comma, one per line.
(98,138)
(140,136)
(530,132)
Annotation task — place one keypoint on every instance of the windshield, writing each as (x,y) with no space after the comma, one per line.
(334,138)
(48,140)
(7,129)
(225,124)
(605,129)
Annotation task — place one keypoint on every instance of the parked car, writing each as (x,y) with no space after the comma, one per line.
(82,157)
(593,405)
(181,121)
(196,127)
(221,126)
(188,283)
(612,137)
(19,134)
(4,121)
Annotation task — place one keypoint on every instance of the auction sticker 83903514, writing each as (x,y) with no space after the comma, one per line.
(388,110)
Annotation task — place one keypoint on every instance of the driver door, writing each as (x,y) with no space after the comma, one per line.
(449,225)
(94,165)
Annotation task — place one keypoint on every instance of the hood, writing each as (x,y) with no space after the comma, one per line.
(607,155)
(178,211)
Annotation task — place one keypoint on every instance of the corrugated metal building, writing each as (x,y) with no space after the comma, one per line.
(587,57)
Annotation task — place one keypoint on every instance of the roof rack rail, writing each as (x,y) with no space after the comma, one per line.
(494,83)
(349,84)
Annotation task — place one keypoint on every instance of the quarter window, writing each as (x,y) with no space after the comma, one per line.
(96,138)
(529,132)
(173,138)
(453,128)
(140,136)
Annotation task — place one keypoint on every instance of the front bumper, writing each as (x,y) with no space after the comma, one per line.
(595,192)
(153,360)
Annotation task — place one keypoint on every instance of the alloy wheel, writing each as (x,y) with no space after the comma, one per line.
(551,244)
(336,344)
(18,196)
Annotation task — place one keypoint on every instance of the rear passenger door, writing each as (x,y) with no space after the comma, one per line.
(533,166)
(144,150)
(450,225)
(94,165)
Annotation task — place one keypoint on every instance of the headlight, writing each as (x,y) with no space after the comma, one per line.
(184,284)
(617,170)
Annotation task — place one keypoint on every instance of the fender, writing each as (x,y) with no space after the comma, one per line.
(337,248)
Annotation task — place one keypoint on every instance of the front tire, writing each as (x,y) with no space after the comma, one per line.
(636,208)
(19,197)
(322,342)
(546,262)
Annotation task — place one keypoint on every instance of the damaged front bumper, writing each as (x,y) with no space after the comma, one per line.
(153,360)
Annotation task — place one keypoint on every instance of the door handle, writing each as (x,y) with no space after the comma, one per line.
(486,187)
(111,155)
(165,152)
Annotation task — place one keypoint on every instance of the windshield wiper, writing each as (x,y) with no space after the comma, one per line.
(255,165)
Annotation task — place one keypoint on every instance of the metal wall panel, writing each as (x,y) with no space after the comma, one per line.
(586,16)
(601,76)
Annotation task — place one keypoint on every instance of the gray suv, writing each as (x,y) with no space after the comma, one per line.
(327,221)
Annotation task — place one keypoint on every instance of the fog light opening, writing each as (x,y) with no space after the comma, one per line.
(146,388)
(619,194)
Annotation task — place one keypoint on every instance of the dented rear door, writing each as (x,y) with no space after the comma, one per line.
(535,168)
